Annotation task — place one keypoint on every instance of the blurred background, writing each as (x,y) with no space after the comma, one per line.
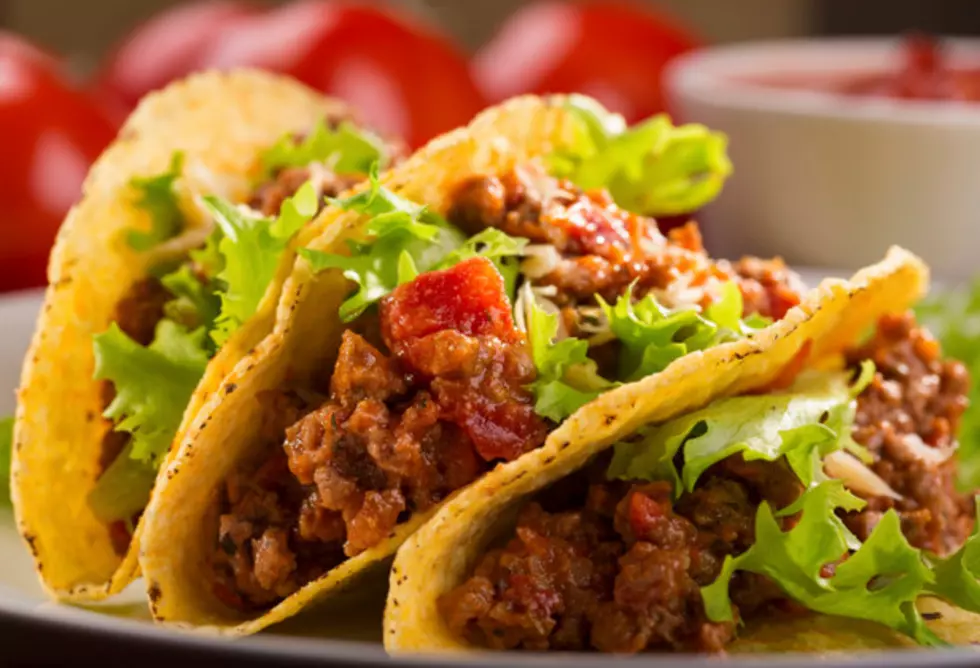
(70,71)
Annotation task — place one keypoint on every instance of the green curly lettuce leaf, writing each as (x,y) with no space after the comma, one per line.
(251,247)
(953,316)
(153,383)
(880,581)
(347,148)
(566,377)
(804,424)
(653,168)
(156,195)
(654,336)
(405,239)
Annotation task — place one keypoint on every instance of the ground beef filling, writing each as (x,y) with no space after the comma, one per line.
(407,422)
(602,249)
(617,567)
(915,396)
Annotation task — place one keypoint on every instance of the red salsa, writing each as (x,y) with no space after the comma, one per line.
(924,73)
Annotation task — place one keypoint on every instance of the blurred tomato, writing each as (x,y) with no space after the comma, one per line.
(615,52)
(50,134)
(164,48)
(404,78)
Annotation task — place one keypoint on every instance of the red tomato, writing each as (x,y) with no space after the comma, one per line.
(613,52)
(406,80)
(50,133)
(164,48)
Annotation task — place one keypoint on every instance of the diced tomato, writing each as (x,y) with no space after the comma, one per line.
(51,133)
(644,514)
(469,298)
(613,51)
(597,229)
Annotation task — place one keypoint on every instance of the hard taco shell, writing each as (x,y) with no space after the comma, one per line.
(221,122)
(303,347)
(443,553)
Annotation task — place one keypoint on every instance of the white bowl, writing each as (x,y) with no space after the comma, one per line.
(825,179)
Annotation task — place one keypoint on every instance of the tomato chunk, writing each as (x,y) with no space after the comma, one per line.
(469,298)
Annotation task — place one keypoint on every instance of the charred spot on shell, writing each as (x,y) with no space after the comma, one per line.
(549,460)
(394,602)
(931,616)
(612,418)
(153,593)
(90,416)
(230,387)
(31,541)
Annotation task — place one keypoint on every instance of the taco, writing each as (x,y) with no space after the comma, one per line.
(164,275)
(445,321)
(820,516)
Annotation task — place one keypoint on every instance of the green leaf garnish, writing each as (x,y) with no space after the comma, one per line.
(879,582)
(123,489)
(251,246)
(804,424)
(653,168)
(956,577)
(654,336)
(953,316)
(346,149)
(156,196)
(153,384)
(558,391)
(195,303)
(404,240)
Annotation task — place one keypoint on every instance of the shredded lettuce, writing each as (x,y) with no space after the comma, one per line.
(956,577)
(123,489)
(195,301)
(156,196)
(653,168)
(558,390)
(346,149)
(804,424)
(879,582)
(152,383)
(654,336)
(6,450)
(953,316)
(251,246)
(212,296)
(405,239)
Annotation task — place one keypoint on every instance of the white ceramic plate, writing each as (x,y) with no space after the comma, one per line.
(345,632)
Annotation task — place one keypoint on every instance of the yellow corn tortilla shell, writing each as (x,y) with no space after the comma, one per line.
(444,552)
(302,348)
(221,122)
